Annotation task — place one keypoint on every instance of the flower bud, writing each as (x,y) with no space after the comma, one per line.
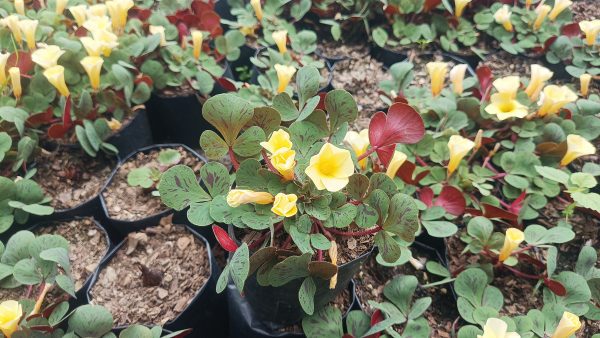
(459,7)
(3,60)
(437,73)
(20,7)
(60,6)
(457,76)
(584,84)
(542,12)
(280,38)
(28,28)
(458,147)
(284,161)
(559,6)
(512,239)
(117,9)
(284,75)
(478,139)
(56,77)
(395,164)
(257,9)
(93,67)
(237,197)
(15,81)
(12,22)
(577,146)
(197,43)
(285,205)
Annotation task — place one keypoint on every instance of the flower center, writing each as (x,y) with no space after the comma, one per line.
(506,107)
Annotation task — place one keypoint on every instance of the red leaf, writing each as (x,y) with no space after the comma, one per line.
(226,84)
(58,130)
(45,117)
(347,335)
(210,21)
(183,333)
(485,77)
(571,30)
(223,238)
(426,196)
(452,200)
(144,78)
(549,42)
(22,60)
(376,317)
(556,287)
(321,104)
(406,171)
(431,4)
(140,13)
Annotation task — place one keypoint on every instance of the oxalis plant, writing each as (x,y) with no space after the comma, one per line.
(147,177)
(296,188)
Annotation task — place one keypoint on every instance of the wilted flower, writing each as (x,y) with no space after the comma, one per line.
(458,147)
(197,43)
(542,12)
(48,56)
(539,76)
(554,98)
(15,81)
(577,146)
(497,328)
(508,85)
(160,31)
(459,7)
(284,161)
(502,17)
(10,315)
(395,163)
(359,143)
(504,107)
(285,205)
(457,76)
(584,83)
(330,168)
(79,14)
(284,75)
(237,197)
(56,77)
(280,139)
(280,38)
(591,30)
(437,73)
(568,325)
(257,9)
(559,6)
(512,239)
(93,67)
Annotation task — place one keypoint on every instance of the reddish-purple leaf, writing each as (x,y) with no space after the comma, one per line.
(571,30)
(556,287)
(452,200)
(21,60)
(485,77)
(226,84)
(406,172)
(223,238)
(376,317)
(426,196)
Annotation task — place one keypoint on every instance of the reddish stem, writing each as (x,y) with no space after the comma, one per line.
(421,162)
(319,255)
(234,162)
(523,274)
(366,154)
(499,175)
(324,230)
(268,162)
(287,242)
(356,233)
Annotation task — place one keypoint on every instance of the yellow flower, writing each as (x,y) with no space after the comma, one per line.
(197,43)
(359,143)
(496,328)
(458,147)
(257,9)
(96,24)
(539,76)
(505,107)
(508,85)
(459,7)
(10,315)
(28,28)
(559,6)
(330,168)
(554,98)
(60,6)
(47,57)
(20,7)
(159,30)
(92,47)
(79,14)
(237,197)
(12,21)
(285,205)
(3,61)
(56,76)
(114,124)
(591,30)
(437,72)
(117,9)
(284,161)
(107,40)
(93,67)
(457,76)
(280,38)
(568,325)
(247,30)
(512,239)
(542,12)
(584,81)
(502,16)
(395,163)
(97,10)
(280,139)
(15,81)
(577,146)
(284,75)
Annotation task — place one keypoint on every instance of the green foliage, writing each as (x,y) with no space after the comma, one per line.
(19,199)
(477,301)
(148,176)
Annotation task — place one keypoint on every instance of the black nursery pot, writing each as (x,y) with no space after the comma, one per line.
(243,322)
(206,312)
(121,228)
(133,135)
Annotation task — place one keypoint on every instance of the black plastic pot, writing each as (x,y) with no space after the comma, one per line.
(206,314)
(120,228)
(133,135)
(242,321)
(246,52)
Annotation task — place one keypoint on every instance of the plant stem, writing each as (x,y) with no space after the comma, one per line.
(234,162)
(356,233)
(523,274)
(366,154)
(268,162)
(319,255)
(421,162)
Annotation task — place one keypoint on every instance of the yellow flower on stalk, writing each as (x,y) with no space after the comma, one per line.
(197,38)
(512,239)
(28,28)
(257,9)
(107,40)
(497,328)
(359,143)
(284,76)
(508,85)
(584,84)
(3,60)
(60,6)
(542,12)
(459,7)
(280,38)
(591,30)
(568,325)
(92,47)
(237,197)
(280,139)
(47,57)
(437,73)
(502,17)
(285,205)
(15,81)
(56,77)
(284,161)
(160,31)
(458,147)
(330,168)
(97,10)
(12,22)
(93,67)
(539,76)
(10,315)
(395,164)
(20,7)
(117,9)
(79,13)
(457,76)
(577,146)
(559,6)
(554,98)
(505,107)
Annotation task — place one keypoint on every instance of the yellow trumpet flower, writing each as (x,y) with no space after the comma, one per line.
(60,6)
(197,38)
(505,107)
(285,205)
(502,17)
(280,139)
(457,76)
(459,7)
(330,168)
(577,146)
(539,76)
(512,239)
(160,31)
(93,67)
(542,12)
(12,22)
(280,38)
(48,56)
(554,98)
(437,73)
(359,143)
(497,328)
(3,60)
(107,40)
(79,13)
(584,84)
(92,47)
(508,86)
(284,75)
(28,28)
(10,315)
(284,161)
(458,147)
(559,6)
(568,325)
(237,197)
(117,9)
(98,10)
(257,9)
(56,77)
(20,7)
(591,30)
(15,81)
(395,164)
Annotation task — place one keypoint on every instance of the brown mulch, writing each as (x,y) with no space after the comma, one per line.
(585,10)
(505,64)
(128,203)
(373,277)
(71,177)
(178,265)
